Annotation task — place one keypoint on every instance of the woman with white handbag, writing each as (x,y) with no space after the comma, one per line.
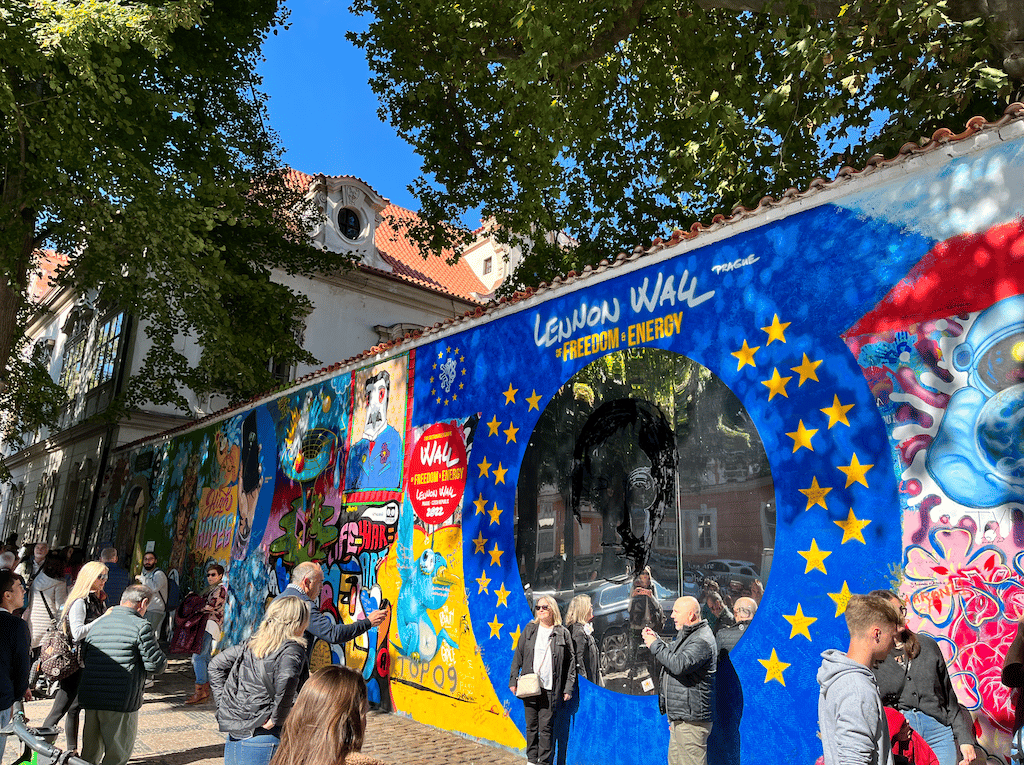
(543,676)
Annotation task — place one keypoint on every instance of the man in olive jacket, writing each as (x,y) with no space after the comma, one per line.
(118,652)
(688,666)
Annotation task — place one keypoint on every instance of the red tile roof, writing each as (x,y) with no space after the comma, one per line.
(402,254)
(41,282)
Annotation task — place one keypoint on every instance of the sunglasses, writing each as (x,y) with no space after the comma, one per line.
(542,608)
(211,574)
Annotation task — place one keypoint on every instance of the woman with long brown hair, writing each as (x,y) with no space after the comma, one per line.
(328,721)
(915,680)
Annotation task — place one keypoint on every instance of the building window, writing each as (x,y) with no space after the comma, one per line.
(107,342)
(704,539)
(46,494)
(281,371)
(701,531)
(12,517)
(488,265)
(85,368)
(348,223)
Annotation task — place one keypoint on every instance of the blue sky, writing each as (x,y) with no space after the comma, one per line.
(323,108)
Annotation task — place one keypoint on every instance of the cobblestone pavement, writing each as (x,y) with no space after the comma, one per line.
(171,733)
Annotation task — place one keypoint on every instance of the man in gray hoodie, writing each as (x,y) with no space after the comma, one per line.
(850,715)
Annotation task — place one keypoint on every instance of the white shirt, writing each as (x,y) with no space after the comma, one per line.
(542,656)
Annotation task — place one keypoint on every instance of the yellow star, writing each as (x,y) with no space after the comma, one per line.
(510,433)
(852,528)
(439,399)
(455,397)
(502,594)
(480,542)
(440,354)
(842,598)
(493,426)
(774,668)
(745,355)
(837,412)
(800,623)
(776,330)
(515,636)
(496,554)
(534,401)
(815,494)
(481,505)
(802,437)
(510,395)
(776,385)
(482,581)
(855,471)
(807,370)
(815,558)
(499,474)
(435,365)
(495,627)
(484,466)
(495,514)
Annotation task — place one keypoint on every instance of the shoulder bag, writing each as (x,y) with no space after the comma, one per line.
(528,685)
(59,655)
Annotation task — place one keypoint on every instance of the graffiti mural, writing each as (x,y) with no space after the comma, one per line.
(793,407)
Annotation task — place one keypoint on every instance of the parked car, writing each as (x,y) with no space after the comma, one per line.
(725,571)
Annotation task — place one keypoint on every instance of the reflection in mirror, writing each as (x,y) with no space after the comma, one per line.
(643,481)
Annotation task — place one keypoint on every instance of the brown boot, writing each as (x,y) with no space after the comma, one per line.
(202,694)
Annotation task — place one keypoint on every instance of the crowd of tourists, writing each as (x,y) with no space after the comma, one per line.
(87,634)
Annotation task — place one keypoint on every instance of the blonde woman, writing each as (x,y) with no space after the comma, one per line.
(84,605)
(254,684)
(544,649)
(579,621)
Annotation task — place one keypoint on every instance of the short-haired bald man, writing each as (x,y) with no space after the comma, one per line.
(688,667)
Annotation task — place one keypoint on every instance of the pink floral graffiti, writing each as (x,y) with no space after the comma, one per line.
(975,599)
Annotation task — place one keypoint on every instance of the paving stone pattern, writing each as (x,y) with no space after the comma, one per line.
(171,733)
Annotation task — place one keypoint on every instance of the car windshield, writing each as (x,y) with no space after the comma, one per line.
(614,594)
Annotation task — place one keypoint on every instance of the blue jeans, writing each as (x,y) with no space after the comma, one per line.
(938,736)
(257,750)
(5,717)
(201,660)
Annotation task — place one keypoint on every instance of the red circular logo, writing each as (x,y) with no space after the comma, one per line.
(437,473)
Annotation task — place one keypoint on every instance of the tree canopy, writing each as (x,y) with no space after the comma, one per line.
(617,120)
(134,139)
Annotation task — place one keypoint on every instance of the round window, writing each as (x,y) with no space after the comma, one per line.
(348,223)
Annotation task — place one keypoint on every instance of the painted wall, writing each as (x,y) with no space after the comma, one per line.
(874,336)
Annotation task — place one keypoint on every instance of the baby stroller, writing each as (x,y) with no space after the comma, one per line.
(38,742)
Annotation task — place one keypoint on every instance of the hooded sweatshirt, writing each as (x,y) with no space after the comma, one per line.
(850,717)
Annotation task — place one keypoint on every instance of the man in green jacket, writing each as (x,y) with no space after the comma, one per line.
(118,652)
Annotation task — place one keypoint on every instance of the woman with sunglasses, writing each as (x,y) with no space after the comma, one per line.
(914,679)
(216,596)
(545,649)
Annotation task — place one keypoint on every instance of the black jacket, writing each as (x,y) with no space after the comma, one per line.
(925,686)
(14,658)
(563,659)
(688,666)
(250,691)
(588,660)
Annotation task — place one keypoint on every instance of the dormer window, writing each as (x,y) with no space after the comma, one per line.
(348,223)
(488,265)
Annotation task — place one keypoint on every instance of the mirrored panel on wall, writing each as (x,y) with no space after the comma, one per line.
(645,480)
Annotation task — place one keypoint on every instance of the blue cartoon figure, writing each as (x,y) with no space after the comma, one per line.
(426,585)
(978,455)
